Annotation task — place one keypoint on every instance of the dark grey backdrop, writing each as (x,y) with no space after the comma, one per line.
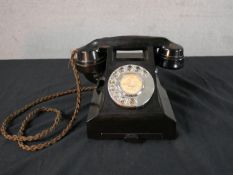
(202,98)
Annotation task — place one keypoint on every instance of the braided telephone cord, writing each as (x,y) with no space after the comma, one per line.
(21,138)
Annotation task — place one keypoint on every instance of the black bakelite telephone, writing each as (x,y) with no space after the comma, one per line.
(128,102)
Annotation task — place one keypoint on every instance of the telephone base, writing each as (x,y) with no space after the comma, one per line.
(155,120)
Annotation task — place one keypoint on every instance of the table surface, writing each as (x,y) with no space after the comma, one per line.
(201,95)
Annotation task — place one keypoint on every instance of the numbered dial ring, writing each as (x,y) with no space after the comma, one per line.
(130,86)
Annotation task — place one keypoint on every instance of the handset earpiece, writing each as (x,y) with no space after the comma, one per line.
(170,56)
(92,62)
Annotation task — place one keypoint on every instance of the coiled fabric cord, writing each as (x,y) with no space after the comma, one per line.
(20,138)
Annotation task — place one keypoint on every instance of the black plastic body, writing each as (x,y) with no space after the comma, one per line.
(106,120)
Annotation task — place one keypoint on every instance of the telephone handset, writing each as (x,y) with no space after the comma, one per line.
(127,103)
(92,57)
